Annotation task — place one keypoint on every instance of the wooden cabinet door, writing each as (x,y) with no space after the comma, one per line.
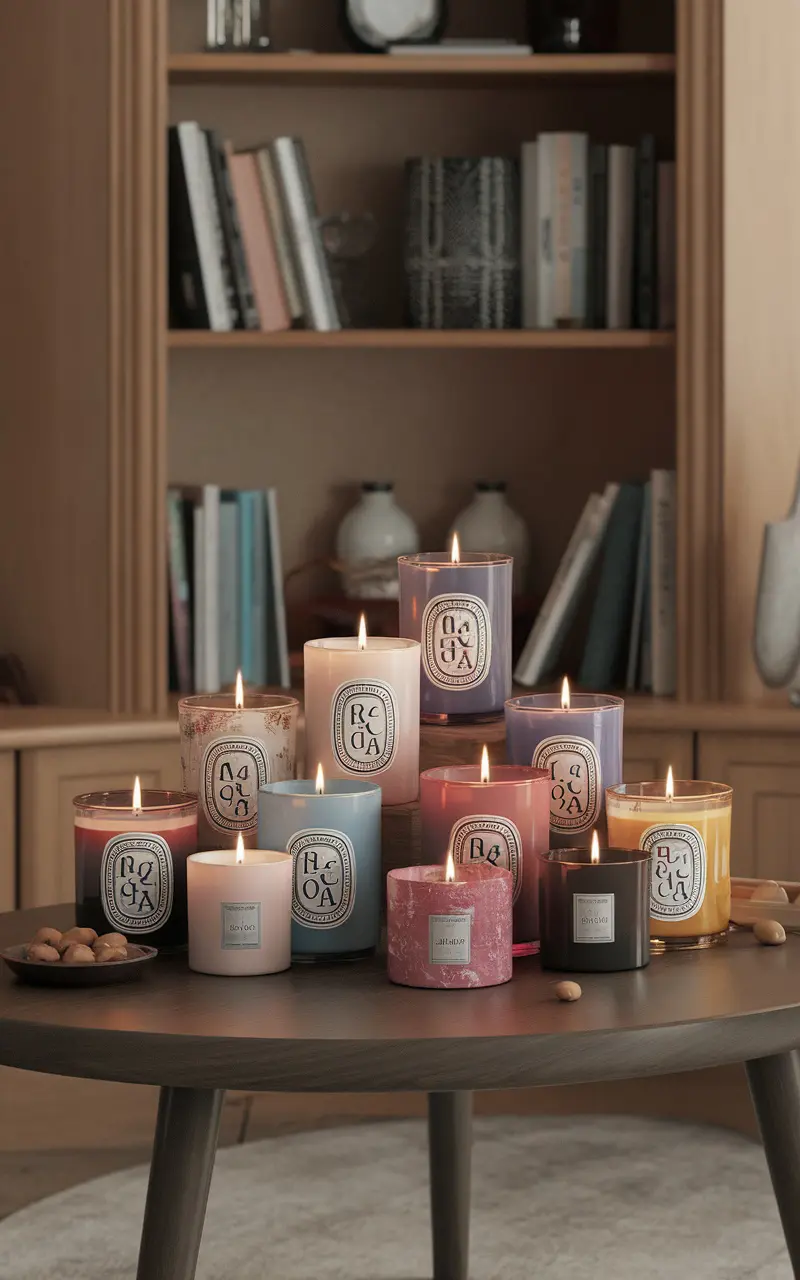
(647,755)
(8,831)
(764,772)
(50,778)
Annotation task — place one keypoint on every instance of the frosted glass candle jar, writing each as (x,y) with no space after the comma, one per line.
(594,915)
(362,712)
(228,752)
(461,614)
(240,913)
(334,838)
(505,822)
(581,749)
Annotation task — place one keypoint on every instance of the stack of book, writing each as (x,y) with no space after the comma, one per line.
(598,234)
(630,530)
(245,249)
(227,609)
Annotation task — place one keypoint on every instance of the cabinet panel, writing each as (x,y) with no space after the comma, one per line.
(8,831)
(49,779)
(649,755)
(765,775)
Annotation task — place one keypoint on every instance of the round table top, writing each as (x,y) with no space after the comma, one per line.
(347,1028)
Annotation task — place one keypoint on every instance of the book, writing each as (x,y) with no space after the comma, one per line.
(179,595)
(302,220)
(663,597)
(212,212)
(259,246)
(619,278)
(645,236)
(606,649)
(244,502)
(260,640)
(238,275)
(189,154)
(199,598)
(206,573)
(220,202)
(529,173)
(666,241)
(187,295)
(545,268)
(633,671)
(229,648)
(280,233)
(579,229)
(598,235)
(278,647)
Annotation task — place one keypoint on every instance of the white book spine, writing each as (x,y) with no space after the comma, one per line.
(621,172)
(210,557)
(530,233)
(545,155)
(663,592)
(301,218)
(579,240)
(280,234)
(562,229)
(278,601)
(205,218)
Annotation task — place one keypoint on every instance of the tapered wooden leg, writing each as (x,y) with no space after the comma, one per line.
(450,1153)
(180,1176)
(775,1089)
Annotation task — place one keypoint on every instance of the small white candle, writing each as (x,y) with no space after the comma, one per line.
(240,911)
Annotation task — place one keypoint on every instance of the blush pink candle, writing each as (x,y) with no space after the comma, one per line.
(498,815)
(449,933)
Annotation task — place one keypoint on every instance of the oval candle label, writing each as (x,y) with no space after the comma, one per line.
(364,726)
(324,878)
(677,871)
(485,838)
(232,771)
(456,641)
(575,783)
(136,882)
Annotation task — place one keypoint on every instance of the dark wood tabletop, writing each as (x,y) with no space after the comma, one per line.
(346,1027)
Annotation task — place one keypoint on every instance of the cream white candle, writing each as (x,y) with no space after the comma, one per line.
(362,711)
(240,911)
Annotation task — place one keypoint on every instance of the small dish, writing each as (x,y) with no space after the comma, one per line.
(40,973)
(745,912)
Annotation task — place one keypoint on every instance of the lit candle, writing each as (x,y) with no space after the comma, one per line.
(500,816)
(594,909)
(577,738)
(362,710)
(240,911)
(130,862)
(332,829)
(686,827)
(449,926)
(458,605)
(231,744)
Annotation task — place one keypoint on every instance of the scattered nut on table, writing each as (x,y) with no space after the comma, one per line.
(78,954)
(769,891)
(42,951)
(50,936)
(769,932)
(568,991)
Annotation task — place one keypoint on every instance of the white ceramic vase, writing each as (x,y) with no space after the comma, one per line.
(489,523)
(370,538)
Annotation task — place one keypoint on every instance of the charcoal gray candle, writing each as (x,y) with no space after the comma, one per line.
(459,607)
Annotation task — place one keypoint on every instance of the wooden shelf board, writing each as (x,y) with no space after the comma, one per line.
(426,339)
(341,68)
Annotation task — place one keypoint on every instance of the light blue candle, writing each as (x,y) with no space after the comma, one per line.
(334,837)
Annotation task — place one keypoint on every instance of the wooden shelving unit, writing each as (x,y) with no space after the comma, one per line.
(425,340)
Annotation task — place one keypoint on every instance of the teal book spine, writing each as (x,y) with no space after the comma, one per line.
(244,502)
(260,587)
(605,655)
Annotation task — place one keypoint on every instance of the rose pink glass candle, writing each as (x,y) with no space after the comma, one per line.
(449,932)
(240,911)
(498,814)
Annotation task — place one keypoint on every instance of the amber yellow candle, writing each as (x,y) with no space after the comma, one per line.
(688,835)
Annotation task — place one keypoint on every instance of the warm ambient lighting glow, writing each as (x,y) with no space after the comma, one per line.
(484,765)
(565,695)
(595,847)
(450,868)
(239,850)
(320,780)
(455,552)
(670,784)
(238,697)
(137,797)
(362,633)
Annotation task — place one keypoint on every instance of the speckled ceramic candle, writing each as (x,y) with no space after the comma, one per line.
(227,753)
(449,933)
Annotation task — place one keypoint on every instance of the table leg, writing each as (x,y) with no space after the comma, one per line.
(450,1154)
(775,1090)
(180,1176)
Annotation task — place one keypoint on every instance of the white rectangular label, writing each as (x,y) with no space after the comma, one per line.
(241,925)
(593,917)
(450,939)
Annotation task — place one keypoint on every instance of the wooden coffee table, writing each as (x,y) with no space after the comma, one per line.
(346,1029)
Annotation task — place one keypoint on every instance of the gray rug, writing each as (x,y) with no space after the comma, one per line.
(562,1199)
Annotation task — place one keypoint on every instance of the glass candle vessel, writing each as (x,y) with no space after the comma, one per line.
(689,840)
(580,746)
(504,821)
(240,911)
(362,711)
(130,864)
(460,611)
(594,916)
(228,751)
(449,933)
(334,838)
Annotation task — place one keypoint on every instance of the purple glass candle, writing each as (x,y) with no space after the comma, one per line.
(460,611)
(578,740)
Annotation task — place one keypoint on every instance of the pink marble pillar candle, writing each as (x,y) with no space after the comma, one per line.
(449,933)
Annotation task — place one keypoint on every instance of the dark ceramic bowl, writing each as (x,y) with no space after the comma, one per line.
(40,973)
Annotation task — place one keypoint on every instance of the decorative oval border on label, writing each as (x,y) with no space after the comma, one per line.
(129,845)
(584,752)
(344,857)
(489,825)
(668,865)
(244,748)
(375,689)
(432,629)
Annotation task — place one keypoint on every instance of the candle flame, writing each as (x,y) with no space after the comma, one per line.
(362,632)
(595,847)
(455,552)
(320,784)
(484,765)
(239,850)
(670,791)
(238,697)
(137,797)
(565,701)
(450,868)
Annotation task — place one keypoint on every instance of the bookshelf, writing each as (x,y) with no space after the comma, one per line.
(427,339)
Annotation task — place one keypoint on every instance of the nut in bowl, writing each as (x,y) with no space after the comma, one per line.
(76,958)
(753,900)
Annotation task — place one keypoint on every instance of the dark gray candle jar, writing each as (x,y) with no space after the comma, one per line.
(594,917)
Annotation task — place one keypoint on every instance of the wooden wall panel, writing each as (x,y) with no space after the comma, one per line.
(647,756)
(8,831)
(765,775)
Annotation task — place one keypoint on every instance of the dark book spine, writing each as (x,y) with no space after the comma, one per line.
(645,292)
(187,299)
(598,235)
(225,237)
(246,309)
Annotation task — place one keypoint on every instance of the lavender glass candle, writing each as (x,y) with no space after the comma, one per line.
(578,740)
(460,611)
